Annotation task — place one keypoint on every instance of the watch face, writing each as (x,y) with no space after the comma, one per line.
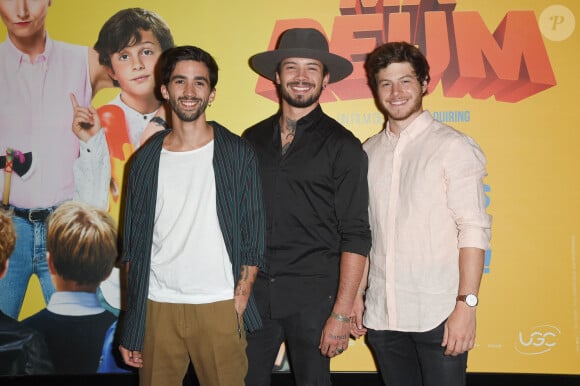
(471,300)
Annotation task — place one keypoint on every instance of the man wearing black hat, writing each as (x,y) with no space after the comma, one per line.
(316,195)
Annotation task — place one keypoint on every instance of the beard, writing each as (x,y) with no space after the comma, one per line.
(188,116)
(300,100)
(401,114)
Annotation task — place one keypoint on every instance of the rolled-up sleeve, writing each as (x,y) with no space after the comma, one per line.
(351,198)
(464,174)
(253,215)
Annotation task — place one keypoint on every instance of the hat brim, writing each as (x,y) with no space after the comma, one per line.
(265,63)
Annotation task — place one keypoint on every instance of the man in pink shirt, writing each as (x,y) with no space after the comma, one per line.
(37,74)
(429,229)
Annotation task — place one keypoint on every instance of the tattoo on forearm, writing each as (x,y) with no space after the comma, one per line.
(243,282)
(244,273)
(240,291)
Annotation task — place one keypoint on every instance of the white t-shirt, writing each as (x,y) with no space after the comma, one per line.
(189,260)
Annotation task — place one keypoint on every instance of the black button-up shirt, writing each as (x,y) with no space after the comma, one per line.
(316,198)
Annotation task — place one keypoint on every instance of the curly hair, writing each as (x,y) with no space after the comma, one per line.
(396,52)
(7,238)
(172,56)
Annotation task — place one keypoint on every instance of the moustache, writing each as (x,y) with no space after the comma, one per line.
(307,84)
(190,99)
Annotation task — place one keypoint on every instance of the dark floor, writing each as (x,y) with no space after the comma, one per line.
(285,379)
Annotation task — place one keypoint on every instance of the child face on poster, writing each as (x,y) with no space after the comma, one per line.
(24,19)
(133,67)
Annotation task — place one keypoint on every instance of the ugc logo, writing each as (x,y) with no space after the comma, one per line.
(537,340)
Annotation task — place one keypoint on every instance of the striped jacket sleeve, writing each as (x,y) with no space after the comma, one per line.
(138,220)
(240,207)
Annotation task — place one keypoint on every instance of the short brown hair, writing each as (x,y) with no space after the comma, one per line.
(7,238)
(123,29)
(396,52)
(82,241)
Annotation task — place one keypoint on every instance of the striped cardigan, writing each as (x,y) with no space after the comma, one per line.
(240,213)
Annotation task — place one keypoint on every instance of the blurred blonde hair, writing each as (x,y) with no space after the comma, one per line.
(82,241)
(7,238)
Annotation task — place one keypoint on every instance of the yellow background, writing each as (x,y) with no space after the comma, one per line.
(532,147)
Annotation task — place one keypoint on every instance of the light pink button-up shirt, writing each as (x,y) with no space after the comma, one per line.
(426,201)
(36,116)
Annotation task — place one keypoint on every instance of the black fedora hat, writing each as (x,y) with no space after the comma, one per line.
(301,43)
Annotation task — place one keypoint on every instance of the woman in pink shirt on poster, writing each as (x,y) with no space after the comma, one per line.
(37,74)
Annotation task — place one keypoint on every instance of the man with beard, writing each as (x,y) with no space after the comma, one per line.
(430,231)
(315,192)
(193,238)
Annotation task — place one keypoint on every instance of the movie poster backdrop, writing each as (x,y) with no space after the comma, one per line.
(504,72)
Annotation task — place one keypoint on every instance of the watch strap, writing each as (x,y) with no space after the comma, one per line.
(463,298)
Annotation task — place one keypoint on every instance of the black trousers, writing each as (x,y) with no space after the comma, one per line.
(301,332)
(416,358)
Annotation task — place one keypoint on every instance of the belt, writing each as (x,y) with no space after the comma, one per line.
(32,215)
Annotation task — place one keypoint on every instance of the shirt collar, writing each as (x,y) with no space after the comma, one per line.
(132,112)
(18,57)
(313,116)
(419,124)
(303,124)
(74,303)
